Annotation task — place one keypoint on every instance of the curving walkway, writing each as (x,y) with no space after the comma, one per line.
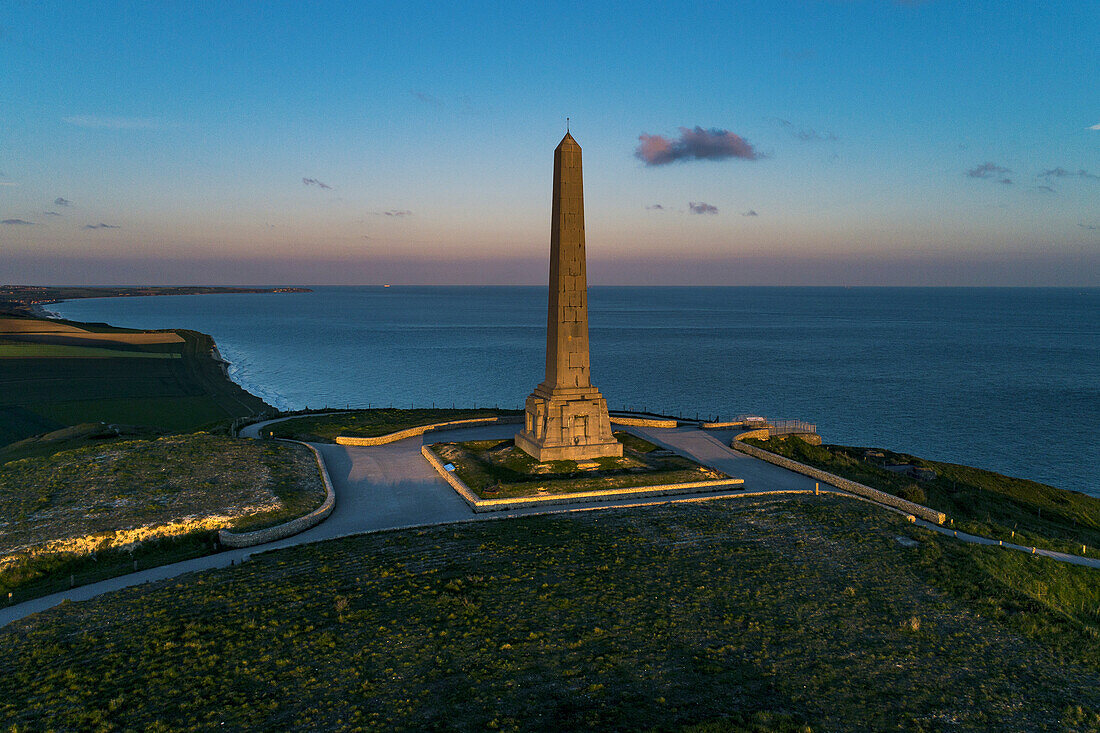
(392,487)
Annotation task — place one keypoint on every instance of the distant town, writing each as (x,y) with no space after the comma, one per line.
(22,299)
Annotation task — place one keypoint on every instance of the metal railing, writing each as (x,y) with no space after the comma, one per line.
(787,427)
(778,427)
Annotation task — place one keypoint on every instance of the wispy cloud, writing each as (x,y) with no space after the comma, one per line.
(990,170)
(1095,127)
(803,133)
(814,135)
(1045,189)
(1090,227)
(62,202)
(750,212)
(398,212)
(101,225)
(694,144)
(315,182)
(655,207)
(1063,173)
(702,208)
(8,183)
(427,99)
(51,213)
(113,123)
(18,222)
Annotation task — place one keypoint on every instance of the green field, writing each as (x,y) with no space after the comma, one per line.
(495,469)
(90,501)
(978,501)
(372,423)
(54,351)
(167,386)
(728,615)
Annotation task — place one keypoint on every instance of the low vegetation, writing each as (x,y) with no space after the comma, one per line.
(980,502)
(374,422)
(59,512)
(798,614)
(498,469)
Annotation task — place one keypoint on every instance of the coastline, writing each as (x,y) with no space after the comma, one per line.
(225,366)
(235,373)
(230,371)
(59,377)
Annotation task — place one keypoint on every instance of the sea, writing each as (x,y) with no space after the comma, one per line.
(1004,379)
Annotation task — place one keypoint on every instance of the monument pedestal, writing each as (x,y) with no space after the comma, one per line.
(567,425)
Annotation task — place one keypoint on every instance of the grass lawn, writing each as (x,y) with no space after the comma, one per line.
(495,469)
(60,513)
(372,423)
(980,502)
(794,614)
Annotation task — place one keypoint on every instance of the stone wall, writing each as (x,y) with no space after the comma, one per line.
(456,483)
(811,438)
(765,433)
(640,422)
(495,505)
(721,425)
(879,497)
(421,429)
(229,538)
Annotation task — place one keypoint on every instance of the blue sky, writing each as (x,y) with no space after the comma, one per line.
(910,143)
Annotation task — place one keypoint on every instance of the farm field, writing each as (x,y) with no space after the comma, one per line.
(498,469)
(799,614)
(112,497)
(64,351)
(57,374)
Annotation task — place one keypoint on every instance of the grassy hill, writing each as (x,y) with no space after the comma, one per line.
(801,614)
(978,501)
(55,374)
(84,514)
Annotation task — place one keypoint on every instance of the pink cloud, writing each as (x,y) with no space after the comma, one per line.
(694,144)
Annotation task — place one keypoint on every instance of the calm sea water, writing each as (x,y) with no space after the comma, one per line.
(1006,379)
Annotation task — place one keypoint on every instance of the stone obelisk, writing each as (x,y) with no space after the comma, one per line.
(566,417)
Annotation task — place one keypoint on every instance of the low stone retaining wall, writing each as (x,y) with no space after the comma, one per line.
(720,425)
(642,422)
(281,531)
(765,433)
(421,429)
(495,505)
(879,497)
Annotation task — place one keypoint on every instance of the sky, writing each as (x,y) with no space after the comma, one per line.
(845,142)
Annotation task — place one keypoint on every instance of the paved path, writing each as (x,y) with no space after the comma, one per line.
(392,487)
(1090,562)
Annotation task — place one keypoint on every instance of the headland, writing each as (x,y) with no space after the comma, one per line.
(756,610)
